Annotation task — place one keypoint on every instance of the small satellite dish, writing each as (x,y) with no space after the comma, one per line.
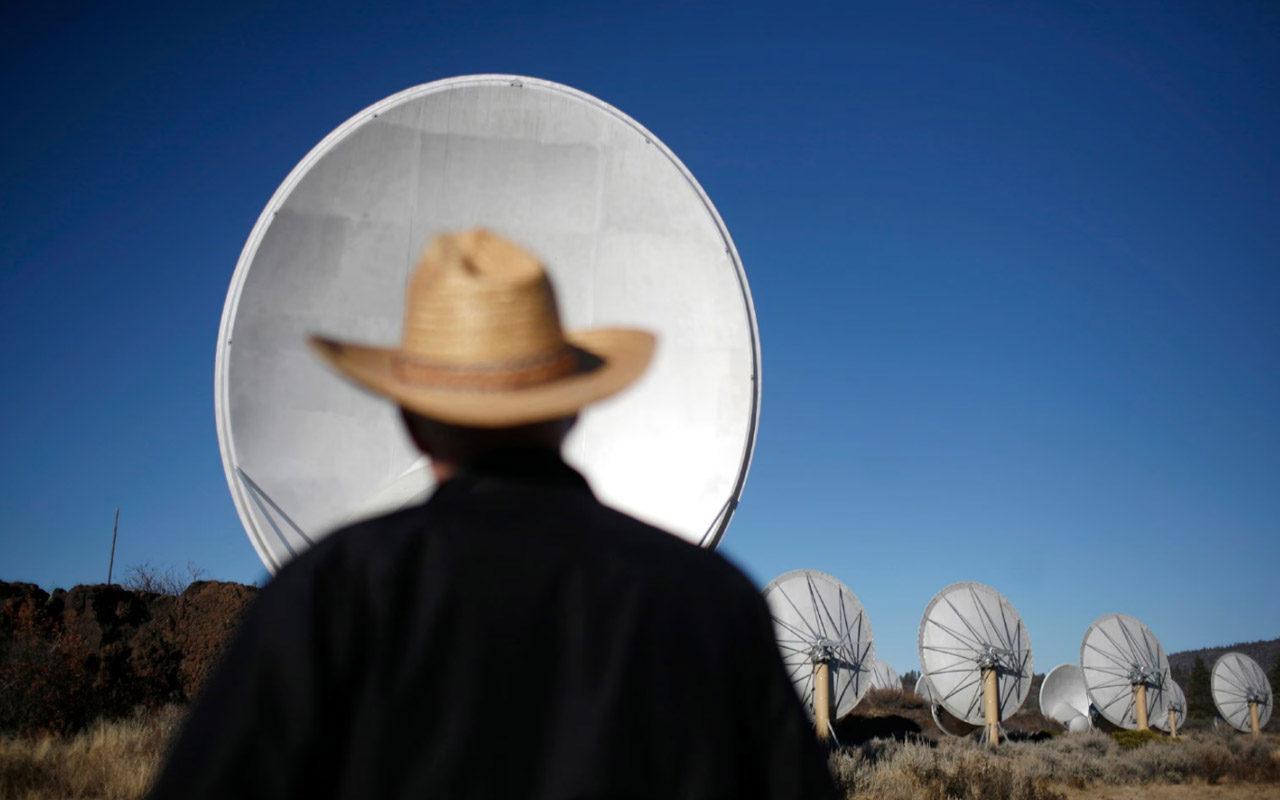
(1125,671)
(1176,709)
(884,677)
(977,654)
(825,640)
(627,235)
(1241,692)
(1063,697)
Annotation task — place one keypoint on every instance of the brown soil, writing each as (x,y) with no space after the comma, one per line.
(903,715)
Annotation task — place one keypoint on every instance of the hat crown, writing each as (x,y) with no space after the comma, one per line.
(476,300)
(483,346)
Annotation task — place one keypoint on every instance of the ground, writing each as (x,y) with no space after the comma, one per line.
(1180,791)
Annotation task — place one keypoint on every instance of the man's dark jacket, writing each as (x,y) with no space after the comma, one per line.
(510,638)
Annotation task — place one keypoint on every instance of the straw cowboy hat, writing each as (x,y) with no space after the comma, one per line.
(483,346)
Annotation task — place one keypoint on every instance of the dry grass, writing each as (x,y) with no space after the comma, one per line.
(119,760)
(964,769)
(110,760)
(892,770)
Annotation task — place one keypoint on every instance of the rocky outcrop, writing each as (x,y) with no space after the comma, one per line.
(181,646)
(69,657)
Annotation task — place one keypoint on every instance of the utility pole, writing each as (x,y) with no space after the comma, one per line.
(114,530)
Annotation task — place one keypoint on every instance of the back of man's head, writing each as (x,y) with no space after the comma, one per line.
(451,447)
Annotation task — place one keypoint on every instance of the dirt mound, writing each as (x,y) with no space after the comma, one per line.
(69,657)
(905,716)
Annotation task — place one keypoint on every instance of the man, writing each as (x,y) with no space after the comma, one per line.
(512,637)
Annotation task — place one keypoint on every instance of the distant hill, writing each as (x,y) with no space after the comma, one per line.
(1265,653)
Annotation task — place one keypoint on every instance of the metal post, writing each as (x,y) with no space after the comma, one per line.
(822,698)
(991,705)
(1173,723)
(1253,717)
(115,528)
(1141,706)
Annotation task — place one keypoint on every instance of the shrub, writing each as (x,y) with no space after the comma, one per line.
(1131,740)
(963,768)
(959,770)
(44,686)
(146,578)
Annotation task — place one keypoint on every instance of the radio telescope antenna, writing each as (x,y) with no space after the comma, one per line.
(627,235)
(923,688)
(1125,671)
(1241,692)
(977,654)
(1064,698)
(825,640)
(1176,705)
(884,676)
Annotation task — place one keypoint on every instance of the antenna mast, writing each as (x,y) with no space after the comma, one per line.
(115,528)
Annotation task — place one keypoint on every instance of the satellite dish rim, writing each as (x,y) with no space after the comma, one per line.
(221,400)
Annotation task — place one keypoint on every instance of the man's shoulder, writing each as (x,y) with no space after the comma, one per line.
(632,534)
(630,548)
(353,548)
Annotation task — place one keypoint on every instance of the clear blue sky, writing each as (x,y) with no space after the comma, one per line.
(1017,271)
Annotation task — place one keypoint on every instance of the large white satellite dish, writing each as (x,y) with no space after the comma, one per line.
(1125,671)
(1063,697)
(1176,709)
(1241,692)
(825,640)
(977,654)
(627,235)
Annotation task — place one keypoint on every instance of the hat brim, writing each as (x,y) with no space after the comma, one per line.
(622,353)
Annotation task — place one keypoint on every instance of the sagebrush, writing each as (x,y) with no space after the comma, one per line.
(118,761)
(963,769)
